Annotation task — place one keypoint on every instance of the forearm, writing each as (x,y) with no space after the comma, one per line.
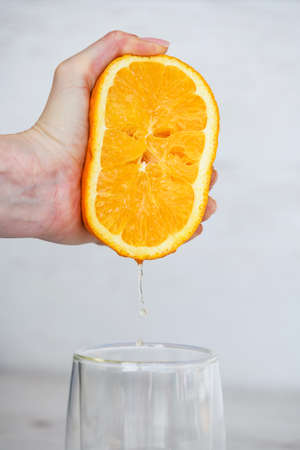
(24,207)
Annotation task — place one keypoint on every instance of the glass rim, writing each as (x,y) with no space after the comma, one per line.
(83,356)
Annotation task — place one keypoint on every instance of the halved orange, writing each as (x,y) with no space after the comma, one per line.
(154,127)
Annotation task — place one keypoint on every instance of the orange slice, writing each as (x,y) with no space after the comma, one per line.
(153,138)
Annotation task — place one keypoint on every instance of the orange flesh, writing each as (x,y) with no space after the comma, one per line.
(150,154)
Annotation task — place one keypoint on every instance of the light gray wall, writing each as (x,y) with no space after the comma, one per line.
(236,288)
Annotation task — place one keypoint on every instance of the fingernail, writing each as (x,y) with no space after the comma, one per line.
(161,42)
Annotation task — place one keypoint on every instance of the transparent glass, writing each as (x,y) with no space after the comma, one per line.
(148,397)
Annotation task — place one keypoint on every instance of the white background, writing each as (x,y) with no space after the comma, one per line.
(236,288)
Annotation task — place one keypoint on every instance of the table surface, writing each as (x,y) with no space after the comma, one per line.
(32,415)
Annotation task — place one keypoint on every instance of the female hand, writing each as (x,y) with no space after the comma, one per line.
(40,169)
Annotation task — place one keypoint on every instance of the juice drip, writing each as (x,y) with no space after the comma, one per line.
(142,311)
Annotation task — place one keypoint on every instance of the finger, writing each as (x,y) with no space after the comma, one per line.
(96,241)
(197,232)
(86,66)
(214,177)
(210,208)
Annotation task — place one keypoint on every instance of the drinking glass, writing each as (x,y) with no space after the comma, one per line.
(145,397)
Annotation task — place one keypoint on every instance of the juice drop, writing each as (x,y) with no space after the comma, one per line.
(139,343)
(142,311)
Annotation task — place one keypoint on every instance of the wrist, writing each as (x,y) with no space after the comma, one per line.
(27,187)
(59,175)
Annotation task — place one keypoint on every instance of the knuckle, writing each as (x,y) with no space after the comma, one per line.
(68,71)
(120,38)
(61,69)
(117,35)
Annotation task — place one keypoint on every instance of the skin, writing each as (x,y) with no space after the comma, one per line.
(40,168)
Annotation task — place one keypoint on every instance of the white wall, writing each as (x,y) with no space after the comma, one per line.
(234,289)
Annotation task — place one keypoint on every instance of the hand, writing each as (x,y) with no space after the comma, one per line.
(54,148)
(211,205)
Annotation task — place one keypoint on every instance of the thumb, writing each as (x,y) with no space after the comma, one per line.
(66,111)
(85,67)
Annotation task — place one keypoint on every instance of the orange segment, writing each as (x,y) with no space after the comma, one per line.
(114,143)
(153,138)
